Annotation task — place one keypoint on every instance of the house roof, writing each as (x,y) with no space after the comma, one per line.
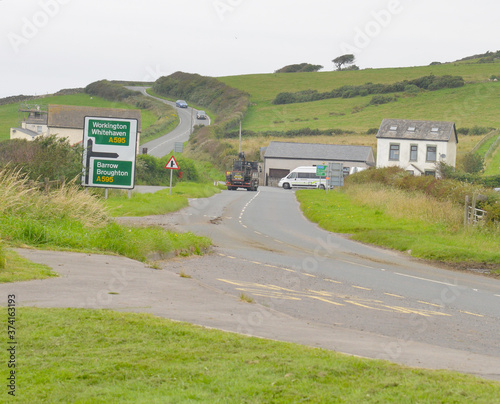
(28,132)
(417,130)
(73,117)
(314,151)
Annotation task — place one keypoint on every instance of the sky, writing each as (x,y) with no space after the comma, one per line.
(48,45)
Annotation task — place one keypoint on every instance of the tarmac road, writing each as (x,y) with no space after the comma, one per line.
(318,308)
(164,145)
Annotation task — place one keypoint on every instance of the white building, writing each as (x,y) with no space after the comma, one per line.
(416,146)
(66,121)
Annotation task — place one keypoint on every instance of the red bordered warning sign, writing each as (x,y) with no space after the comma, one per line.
(172,164)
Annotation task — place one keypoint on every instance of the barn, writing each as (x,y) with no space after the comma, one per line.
(282,157)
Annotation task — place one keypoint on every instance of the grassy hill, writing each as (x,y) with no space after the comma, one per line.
(467,106)
(9,116)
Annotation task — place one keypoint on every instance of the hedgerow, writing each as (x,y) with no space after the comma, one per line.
(430,83)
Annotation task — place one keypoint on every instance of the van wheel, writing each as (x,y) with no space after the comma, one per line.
(286,185)
(321,186)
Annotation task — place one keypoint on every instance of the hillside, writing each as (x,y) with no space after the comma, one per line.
(468,106)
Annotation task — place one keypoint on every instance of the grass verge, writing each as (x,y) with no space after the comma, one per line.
(138,358)
(17,269)
(160,202)
(412,223)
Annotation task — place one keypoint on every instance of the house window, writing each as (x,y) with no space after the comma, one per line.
(393,127)
(430,173)
(411,129)
(413,152)
(394,152)
(431,153)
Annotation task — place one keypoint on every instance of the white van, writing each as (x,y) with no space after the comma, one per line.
(302,177)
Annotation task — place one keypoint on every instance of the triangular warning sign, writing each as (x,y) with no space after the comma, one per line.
(172,164)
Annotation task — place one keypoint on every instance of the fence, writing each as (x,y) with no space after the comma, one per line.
(474,215)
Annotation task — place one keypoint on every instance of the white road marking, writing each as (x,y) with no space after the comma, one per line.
(425,279)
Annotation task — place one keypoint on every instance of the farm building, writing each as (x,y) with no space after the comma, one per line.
(63,120)
(416,146)
(282,157)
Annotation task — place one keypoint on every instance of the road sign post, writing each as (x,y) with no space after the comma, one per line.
(321,173)
(335,175)
(171,165)
(110,152)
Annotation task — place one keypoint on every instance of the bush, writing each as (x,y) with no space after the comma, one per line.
(299,68)
(472,163)
(381,99)
(109,91)
(151,170)
(45,157)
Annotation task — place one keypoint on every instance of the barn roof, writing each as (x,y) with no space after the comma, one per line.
(314,151)
(417,130)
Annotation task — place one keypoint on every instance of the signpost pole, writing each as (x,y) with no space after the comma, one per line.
(171,171)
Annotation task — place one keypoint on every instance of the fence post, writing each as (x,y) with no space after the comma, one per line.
(466,211)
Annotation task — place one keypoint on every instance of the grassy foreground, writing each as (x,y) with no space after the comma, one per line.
(72,355)
(422,226)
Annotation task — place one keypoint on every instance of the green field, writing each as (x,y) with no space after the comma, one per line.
(474,104)
(9,116)
(100,356)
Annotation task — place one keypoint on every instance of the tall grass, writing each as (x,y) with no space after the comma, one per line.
(408,205)
(72,219)
(2,256)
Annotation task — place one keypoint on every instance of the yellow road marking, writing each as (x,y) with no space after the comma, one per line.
(330,280)
(312,276)
(326,300)
(472,314)
(390,294)
(430,304)
(359,287)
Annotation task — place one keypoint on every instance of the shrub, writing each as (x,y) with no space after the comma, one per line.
(45,157)
(381,99)
(472,163)
(299,68)
(109,91)
(151,170)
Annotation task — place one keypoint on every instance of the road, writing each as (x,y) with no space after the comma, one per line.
(164,145)
(289,264)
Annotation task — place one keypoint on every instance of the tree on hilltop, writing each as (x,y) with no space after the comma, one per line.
(343,60)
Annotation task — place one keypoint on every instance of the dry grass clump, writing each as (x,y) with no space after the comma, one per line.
(408,205)
(21,198)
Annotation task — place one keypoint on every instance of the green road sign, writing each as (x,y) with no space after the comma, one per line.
(110,149)
(321,171)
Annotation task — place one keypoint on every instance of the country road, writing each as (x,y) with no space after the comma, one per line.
(164,145)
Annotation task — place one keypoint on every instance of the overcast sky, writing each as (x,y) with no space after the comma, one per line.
(47,45)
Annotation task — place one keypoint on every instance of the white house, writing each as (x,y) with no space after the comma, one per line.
(416,146)
(64,120)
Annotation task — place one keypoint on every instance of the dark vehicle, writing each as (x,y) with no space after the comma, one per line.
(181,104)
(245,174)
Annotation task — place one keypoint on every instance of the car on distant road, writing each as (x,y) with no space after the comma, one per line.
(181,104)
(201,115)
